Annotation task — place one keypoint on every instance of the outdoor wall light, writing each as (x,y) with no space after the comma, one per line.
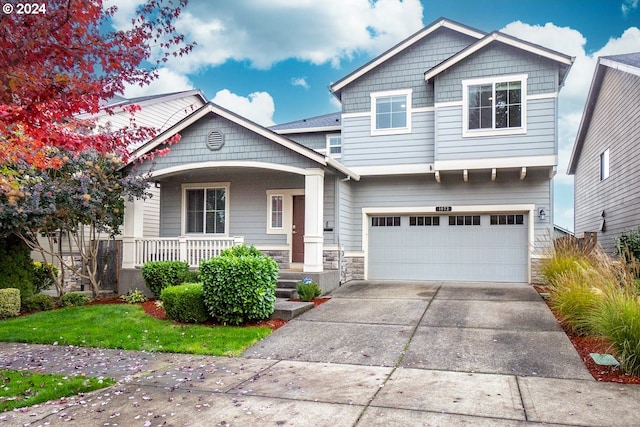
(542,214)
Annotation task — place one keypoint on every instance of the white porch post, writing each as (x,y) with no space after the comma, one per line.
(132,229)
(313,217)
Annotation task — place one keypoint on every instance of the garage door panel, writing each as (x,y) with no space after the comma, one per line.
(446,252)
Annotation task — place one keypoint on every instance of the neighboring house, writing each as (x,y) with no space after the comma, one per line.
(439,167)
(605,158)
(560,232)
(159,112)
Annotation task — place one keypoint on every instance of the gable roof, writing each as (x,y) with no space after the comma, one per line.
(211,108)
(628,63)
(498,37)
(411,40)
(325,123)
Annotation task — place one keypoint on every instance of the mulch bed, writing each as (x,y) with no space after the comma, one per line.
(586,345)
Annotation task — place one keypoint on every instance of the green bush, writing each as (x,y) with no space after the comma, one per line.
(618,319)
(308,290)
(185,303)
(9,302)
(43,276)
(628,245)
(16,266)
(239,285)
(158,275)
(73,299)
(135,296)
(38,302)
(574,299)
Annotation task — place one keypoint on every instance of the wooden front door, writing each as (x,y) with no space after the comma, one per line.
(297,245)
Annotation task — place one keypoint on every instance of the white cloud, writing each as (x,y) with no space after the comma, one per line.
(335,102)
(264,33)
(168,81)
(258,106)
(628,5)
(300,81)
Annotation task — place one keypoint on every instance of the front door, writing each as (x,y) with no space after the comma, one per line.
(297,245)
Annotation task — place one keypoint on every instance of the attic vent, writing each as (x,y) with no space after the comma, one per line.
(215,140)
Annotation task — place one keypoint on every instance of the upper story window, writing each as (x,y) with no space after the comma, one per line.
(391,112)
(604,165)
(334,146)
(494,106)
(206,208)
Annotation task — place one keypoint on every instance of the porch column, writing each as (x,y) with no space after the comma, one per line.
(131,229)
(313,218)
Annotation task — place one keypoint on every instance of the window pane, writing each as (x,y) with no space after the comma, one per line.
(195,211)
(508,104)
(519,219)
(436,220)
(220,222)
(276,211)
(476,220)
(194,222)
(480,105)
(452,220)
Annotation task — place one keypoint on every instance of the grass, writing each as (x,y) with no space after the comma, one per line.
(128,327)
(24,388)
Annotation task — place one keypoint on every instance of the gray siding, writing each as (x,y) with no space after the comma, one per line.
(239,144)
(424,191)
(362,149)
(348,221)
(498,60)
(151,226)
(540,139)
(615,124)
(316,141)
(247,202)
(405,70)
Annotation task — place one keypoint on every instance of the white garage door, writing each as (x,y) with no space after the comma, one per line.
(468,247)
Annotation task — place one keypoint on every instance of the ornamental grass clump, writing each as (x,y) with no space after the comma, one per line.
(239,285)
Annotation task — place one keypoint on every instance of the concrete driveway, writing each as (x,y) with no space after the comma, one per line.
(482,328)
(377,354)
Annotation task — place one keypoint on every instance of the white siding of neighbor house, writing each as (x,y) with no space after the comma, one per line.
(615,125)
(423,191)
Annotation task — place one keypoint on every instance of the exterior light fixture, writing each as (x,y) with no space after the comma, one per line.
(542,214)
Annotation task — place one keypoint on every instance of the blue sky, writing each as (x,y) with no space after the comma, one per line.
(272,61)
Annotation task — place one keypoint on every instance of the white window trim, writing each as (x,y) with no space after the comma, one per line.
(605,164)
(202,186)
(391,131)
(469,133)
(328,149)
(287,210)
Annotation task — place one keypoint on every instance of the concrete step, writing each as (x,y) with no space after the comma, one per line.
(288,310)
(287,293)
(288,283)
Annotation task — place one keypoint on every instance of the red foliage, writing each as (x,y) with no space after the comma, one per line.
(61,63)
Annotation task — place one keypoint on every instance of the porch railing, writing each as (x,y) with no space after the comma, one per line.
(189,249)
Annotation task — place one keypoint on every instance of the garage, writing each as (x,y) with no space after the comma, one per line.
(470,247)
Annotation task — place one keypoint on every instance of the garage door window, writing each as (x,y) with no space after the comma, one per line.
(424,221)
(464,220)
(507,219)
(385,221)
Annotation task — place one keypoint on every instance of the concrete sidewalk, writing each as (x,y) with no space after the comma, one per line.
(377,354)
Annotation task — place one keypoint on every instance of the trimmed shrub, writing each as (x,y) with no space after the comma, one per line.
(9,302)
(38,302)
(158,275)
(185,303)
(16,266)
(308,290)
(43,276)
(73,299)
(239,285)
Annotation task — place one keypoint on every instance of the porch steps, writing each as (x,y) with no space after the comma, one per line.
(286,288)
(287,310)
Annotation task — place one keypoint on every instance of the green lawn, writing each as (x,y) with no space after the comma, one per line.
(127,326)
(23,388)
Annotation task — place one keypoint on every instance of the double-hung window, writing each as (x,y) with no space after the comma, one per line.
(391,112)
(494,106)
(206,209)
(334,146)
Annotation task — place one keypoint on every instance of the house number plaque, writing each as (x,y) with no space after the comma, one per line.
(443,208)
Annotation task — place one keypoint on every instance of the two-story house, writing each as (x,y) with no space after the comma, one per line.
(605,158)
(439,167)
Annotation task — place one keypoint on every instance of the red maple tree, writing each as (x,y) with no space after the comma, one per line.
(64,61)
